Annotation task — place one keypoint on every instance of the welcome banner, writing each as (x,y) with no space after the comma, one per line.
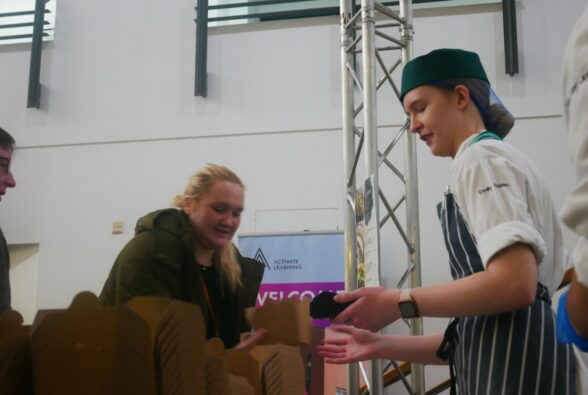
(297,265)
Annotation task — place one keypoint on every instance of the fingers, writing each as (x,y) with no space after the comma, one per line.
(346,316)
(330,350)
(253,340)
(333,354)
(340,349)
(336,355)
(336,361)
(333,357)
(343,297)
(346,329)
(341,341)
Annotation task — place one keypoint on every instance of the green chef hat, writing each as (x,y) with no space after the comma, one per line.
(447,68)
(439,65)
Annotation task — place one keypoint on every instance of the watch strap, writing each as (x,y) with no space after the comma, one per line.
(405,295)
(407,305)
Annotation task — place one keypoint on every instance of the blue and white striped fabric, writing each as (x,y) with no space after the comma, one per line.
(510,353)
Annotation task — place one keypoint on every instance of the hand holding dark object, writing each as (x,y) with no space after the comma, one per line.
(371,308)
(324,306)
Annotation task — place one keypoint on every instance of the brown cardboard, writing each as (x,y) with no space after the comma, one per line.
(10,324)
(91,350)
(217,375)
(84,300)
(150,309)
(241,363)
(282,369)
(15,356)
(214,347)
(240,386)
(180,337)
(153,345)
(287,322)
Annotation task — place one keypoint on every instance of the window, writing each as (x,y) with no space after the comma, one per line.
(232,12)
(17,19)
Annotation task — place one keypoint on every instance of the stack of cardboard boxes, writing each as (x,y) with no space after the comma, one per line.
(153,345)
(282,369)
(16,373)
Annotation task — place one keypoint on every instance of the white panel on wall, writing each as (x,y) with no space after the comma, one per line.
(24,267)
(297,220)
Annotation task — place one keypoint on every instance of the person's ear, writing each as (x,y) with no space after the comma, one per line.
(463,96)
(188,204)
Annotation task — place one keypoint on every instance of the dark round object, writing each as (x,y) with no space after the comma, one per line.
(323,306)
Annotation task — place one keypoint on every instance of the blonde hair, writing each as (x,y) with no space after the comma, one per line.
(200,184)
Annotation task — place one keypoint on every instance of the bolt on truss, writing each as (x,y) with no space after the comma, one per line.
(376,32)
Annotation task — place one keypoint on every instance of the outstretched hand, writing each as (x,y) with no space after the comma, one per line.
(252,340)
(372,308)
(360,345)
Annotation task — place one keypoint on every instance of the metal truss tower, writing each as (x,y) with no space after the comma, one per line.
(362,32)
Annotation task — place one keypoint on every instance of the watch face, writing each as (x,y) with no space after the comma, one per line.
(408,309)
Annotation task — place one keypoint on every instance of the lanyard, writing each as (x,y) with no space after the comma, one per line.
(210,305)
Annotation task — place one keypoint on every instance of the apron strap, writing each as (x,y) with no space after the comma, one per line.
(543,293)
(447,349)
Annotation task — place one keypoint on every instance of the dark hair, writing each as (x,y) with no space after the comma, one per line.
(495,115)
(6,140)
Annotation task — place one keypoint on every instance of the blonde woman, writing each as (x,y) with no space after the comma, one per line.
(186,253)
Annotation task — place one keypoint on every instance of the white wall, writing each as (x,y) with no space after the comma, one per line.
(119,130)
(24,268)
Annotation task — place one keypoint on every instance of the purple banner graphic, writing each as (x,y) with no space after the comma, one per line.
(297,265)
(277,292)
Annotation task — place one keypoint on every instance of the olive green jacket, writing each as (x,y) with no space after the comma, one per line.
(159,261)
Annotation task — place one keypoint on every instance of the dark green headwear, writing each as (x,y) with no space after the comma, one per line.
(447,68)
(439,65)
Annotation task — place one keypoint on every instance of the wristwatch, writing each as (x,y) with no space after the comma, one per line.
(407,306)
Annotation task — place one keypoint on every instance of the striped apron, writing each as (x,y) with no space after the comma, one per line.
(511,353)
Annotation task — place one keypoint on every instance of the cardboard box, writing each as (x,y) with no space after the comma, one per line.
(287,322)
(153,345)
(16,374)
(242,363)
(282,369)
(179,350)
(92,350)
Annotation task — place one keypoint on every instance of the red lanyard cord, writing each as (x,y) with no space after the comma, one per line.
(210,305)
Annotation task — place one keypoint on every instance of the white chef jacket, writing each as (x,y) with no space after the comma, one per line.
(504,200)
